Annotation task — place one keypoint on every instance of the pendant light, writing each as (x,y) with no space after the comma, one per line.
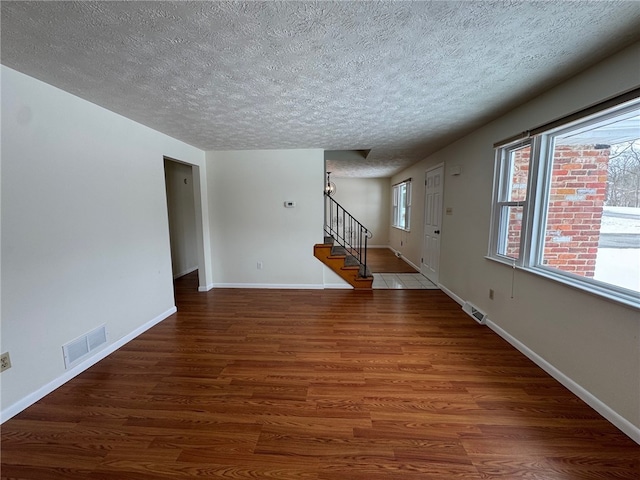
(330,187)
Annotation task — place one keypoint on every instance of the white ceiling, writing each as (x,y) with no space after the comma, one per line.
(400,78)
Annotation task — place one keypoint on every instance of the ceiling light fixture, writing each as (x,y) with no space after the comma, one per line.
(330,187)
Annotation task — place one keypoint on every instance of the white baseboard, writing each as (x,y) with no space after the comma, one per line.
(455,297)
(603,409)
(186,272)
(411,263)
(32,398)
(378,246)
(206,288)
(286,286)
(342,286)
(396,252)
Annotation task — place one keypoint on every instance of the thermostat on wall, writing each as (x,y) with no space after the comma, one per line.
(289,204)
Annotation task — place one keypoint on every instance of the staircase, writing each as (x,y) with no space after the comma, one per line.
(345,246)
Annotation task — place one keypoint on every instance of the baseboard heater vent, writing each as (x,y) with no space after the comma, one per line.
(474,313)
(81,347)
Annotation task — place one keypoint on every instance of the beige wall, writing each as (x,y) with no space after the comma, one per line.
(593,343)
(369,201)
(249,223)
(85,238)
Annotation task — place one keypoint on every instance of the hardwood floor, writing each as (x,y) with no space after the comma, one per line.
(383,260)
(319,385)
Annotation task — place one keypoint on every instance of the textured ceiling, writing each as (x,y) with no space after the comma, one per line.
(400,78)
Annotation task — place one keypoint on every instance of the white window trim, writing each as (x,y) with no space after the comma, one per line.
(396,208)
(535,211)
(501,192)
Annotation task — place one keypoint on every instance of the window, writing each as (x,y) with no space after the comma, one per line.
(402,205)
(512,198)
(567,202)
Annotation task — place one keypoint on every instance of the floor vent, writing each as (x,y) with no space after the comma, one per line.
(474,313)
(81,347)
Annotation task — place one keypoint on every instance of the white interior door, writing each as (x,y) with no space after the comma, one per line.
(432,223)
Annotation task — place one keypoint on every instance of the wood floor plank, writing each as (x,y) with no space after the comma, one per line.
(317,385)
(383,260)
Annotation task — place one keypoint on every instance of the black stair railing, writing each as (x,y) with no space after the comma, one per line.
(348,232)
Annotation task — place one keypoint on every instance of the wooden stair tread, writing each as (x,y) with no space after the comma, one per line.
(343,265)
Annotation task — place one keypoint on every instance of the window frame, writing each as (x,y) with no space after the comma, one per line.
(536,205)
(501,203)
(396,207)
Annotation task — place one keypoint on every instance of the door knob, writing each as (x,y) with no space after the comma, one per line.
(437,232)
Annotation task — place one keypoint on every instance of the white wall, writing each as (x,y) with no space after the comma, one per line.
(182,217)
(84,229)
(369,201)
(247,191)
(591,342)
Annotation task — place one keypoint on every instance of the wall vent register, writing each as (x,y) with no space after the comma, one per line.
(80,348)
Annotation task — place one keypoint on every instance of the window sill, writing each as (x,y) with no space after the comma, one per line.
(622,298)
(402,229)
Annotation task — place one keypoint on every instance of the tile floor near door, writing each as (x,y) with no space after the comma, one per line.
(413,281)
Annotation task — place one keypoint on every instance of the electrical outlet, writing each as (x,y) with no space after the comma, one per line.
(491,293)
(5,362)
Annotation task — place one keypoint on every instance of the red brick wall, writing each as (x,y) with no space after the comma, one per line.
(519,178)
(578,191)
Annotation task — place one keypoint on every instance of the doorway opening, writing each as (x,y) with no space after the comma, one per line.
(184,217)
